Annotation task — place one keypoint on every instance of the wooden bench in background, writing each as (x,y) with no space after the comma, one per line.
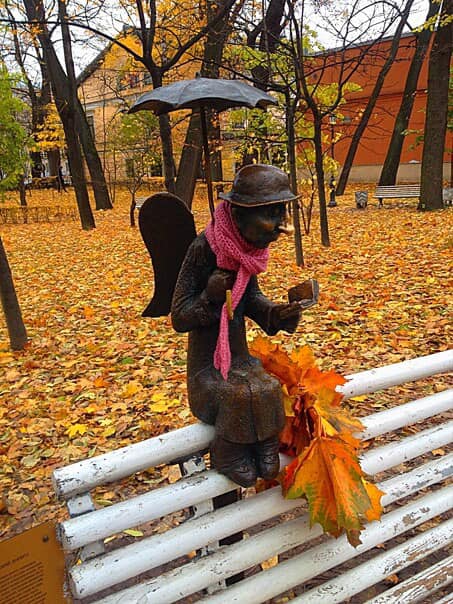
(179,556)
(139,201)
(397,192)
(31,214)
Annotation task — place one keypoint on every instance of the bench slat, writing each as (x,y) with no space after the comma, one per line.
(101,523)
(153,551)
(85,475)
(194,576)
(407,414)
(381,378)
(322,558)
(416,588)
(372,571)
(408,448)
(187,492)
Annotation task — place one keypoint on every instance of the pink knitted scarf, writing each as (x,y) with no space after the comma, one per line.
(235,254)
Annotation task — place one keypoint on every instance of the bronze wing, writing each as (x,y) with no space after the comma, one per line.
(168,228)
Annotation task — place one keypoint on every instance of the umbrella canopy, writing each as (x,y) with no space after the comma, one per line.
(202,92)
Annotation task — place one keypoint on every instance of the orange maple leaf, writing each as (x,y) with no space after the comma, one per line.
(329,476)
(276,361)
(314,380)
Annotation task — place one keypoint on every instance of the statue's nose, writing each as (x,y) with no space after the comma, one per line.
(267,224)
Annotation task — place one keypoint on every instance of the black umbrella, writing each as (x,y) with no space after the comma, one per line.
(199,94)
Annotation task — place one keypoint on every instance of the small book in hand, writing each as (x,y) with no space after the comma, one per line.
(305,293)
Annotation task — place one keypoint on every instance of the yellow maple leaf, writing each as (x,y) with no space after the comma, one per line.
(303,357)
(328,475)
(109,431)
(163,405)
(158,396)
(131,388)
(75,429)
(335,419)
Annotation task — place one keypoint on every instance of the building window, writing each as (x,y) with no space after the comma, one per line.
(130,169)
(238,123)
(120,83)
(134,80)
(90,120)
(147,80)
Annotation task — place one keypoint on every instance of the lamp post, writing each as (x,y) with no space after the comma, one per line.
(332,184)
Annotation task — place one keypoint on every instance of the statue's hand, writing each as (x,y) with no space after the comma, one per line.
(218,284)
(199,252)
(286,316)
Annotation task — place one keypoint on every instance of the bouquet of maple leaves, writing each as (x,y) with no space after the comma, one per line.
(319,435)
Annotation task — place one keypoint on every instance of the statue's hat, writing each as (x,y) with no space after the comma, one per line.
(258,185)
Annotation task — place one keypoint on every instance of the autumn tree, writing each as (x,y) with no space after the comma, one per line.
(216,38)
(167,34)
(37,25)
(49,137)
(399,17)
(135,139)
(13,136)
(94,165)
(39,98)
(436,111)
(422,40)
(318,80)
(36,15)
(13,316)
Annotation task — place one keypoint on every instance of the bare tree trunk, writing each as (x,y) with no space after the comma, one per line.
(13,316)
(344,176)
(191,154)
(392,160)
(22,192)
(267,33)
(168,161)
(94,164)
(74,153)
(293,176)
(54,159)
(324,223)
(189,163)
(100,190)
(35,13)
(436,112)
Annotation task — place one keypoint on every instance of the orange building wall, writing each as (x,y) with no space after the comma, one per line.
(375,140)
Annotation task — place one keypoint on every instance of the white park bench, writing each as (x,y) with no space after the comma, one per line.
(397,192)
(279,551)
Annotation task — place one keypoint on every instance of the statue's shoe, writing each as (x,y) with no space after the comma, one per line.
(267,459)
(234,461)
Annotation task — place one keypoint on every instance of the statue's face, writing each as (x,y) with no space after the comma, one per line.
(259,225)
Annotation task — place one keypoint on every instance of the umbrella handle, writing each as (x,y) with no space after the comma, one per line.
(207,161)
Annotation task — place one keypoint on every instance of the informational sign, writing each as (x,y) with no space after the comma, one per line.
(32,568)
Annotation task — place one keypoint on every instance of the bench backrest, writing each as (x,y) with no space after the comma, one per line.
(397,191)
(189,556)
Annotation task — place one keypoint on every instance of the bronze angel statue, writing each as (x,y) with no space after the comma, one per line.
(209,284)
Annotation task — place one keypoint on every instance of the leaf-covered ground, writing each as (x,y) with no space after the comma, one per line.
(97,376)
